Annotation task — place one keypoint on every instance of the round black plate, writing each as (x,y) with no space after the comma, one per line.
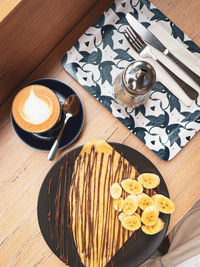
(134,252)
(72,129)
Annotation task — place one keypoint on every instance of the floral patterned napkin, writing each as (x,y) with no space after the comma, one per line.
(164,123)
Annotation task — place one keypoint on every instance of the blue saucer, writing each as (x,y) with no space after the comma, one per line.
(72,129)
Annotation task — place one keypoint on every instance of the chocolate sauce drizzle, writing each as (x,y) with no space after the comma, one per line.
(59,224)
(57,204)
(49,213)
(93,219)
(84,208)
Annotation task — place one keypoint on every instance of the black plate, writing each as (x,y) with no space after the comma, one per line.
(72,129)
(134,252)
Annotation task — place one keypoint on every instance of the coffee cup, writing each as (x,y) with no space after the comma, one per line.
(36,109)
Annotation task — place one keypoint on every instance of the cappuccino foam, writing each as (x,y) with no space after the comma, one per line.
(36,109)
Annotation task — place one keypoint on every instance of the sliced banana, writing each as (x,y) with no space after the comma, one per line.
(131,222)
(164,204)
(144,201)
(130,204)
(137,215)
(149,180)
(154,229)
(150,215)
(116,191)
(132,186)
(122,215)
(118,204)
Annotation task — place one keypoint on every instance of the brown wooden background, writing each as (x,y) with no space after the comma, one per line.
(30,30)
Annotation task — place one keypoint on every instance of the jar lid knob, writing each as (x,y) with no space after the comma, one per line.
(139,77)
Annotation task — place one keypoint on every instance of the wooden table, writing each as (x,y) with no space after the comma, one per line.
(22,169)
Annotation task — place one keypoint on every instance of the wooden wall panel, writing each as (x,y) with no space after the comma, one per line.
(6,6)
(30,32)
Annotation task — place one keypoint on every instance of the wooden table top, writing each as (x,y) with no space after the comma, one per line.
(23,168)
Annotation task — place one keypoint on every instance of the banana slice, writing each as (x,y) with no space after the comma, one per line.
(132,222)
(150,215)
(144,201)
(121,216)
(137,215)
(130,204)
(149,180)
(116,191)
(154,229)
(131,186)
(118,204)
(164,204)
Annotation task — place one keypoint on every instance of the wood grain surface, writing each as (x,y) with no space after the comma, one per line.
(30,32)
(6,7)
(23,168)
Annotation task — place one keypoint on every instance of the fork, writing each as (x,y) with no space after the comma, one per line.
(144,50)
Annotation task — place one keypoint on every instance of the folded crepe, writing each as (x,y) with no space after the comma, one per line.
(97,232)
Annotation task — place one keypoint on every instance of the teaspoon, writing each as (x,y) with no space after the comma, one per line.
(70,108)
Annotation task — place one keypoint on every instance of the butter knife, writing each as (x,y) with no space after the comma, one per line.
(149,38)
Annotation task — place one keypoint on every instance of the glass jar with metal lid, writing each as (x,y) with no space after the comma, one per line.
(132,86)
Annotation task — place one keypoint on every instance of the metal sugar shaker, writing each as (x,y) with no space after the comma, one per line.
(132,87)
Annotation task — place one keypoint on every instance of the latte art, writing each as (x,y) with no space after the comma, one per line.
(36,110)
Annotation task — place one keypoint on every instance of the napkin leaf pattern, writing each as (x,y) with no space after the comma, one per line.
(158,15)
(164,124)
(176,32)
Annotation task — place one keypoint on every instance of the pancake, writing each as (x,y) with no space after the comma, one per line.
(97,231)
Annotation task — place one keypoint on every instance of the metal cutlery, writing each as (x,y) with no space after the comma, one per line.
(149,38)
(70,109)
(143,50)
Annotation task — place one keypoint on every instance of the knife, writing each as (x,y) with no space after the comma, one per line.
(149,38)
